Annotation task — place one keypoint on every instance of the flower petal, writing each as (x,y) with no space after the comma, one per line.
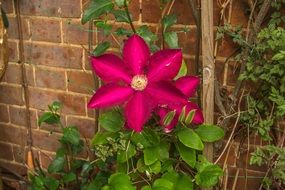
(188,85)
(162,112)
(138,111)
(164,65)
(164,92)
(110,68)
(110,95)
(198,117)
(136,54)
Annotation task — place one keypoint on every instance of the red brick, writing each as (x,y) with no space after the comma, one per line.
(19,154)
(4,115)
(63,8)
(72,104)
(226,47)
(16,167)
(8,6)
(183,11)
(11,94)
(54,55)
(13,51)
(6,151)
(151,11)
(76,33)
(45,159)
(187,41)
(18,116)
(13,134)
(13,74)
(45,141)
(13,28)
(81,82)
(240,13)
(230,159)
(45,30)
(134,9)
(84,125)
(50,78)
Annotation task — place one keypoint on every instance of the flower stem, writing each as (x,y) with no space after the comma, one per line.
(129,16)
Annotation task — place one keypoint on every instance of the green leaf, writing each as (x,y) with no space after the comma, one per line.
(96,9)
(154,168)
(101,48)
(189,117)
(4,18)
(187,154)
(183,70)
(51,183)
(120,181)
(123,156)
(101,137)
(209,176)
(71,135)
(163,150)
(210,133)
(151,155)
(146,187)
(146,34)
(56,165)
(121,16)
(171,39)
(190,139)
(106,27)
(49,118)
(169,117)
(55,106)
(120,3)
(69,177)
(168,21)
(123,32)
(146,138)
(111,121)
(184,182)
(166,184)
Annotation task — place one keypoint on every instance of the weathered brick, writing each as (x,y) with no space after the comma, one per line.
(13,51)
(8,6)
(18,116)
(63,8)
(45,159)
(183,11)
(227,47)
(13,28)
(19,154)
(6,151)
(45,141)
(54,55)
(187,41)
(151,11)
(13,134)
(84,125)
(11,94)
(45,30)
(13,74)
(81,82)
(76,33)
(4,115)
(134,8)
(16,167)
(72,104)
(50,78)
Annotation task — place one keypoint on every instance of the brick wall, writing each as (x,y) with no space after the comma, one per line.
(58,69)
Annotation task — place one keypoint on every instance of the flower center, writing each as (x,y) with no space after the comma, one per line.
(139,82)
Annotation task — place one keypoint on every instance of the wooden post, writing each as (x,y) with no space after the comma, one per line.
(208,67)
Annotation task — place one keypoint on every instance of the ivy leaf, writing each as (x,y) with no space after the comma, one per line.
(96,9)
(168,21)
(146,34)
(120,3)
(187,154)
(49,118)
(123,156)
(106,27)
(111,121)
(123,32)
(151,155)
(171,39)
(56,165)
(189,138)
(101,48)
(210,133)
(71,135)
(169,117)
(209,176)
(183,70)
(121,16)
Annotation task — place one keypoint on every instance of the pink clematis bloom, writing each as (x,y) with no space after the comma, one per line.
(188,86)
(140,81)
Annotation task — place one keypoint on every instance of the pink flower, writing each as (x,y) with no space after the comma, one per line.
(140,80)
(188,86)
